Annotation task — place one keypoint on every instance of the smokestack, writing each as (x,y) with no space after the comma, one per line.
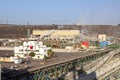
(28,33)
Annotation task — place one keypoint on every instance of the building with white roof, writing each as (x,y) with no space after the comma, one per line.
(38,48)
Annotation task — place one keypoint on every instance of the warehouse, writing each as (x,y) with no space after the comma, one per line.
(57,38)
(55,33)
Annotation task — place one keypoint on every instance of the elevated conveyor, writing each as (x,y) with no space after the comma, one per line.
(99,68)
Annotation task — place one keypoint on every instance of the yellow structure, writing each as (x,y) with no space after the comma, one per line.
(83,46)
(5,59)
(57,38)
(56,33)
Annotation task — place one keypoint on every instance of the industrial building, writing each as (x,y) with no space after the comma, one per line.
(66,34)
(57,38)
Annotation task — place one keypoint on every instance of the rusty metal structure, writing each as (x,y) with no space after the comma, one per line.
(54,71)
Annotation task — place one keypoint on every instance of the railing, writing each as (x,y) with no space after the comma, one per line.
(57,70)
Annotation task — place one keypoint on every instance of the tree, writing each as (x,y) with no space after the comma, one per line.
(32,54)
(50,53)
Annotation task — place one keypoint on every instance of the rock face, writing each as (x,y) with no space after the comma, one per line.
(20,31)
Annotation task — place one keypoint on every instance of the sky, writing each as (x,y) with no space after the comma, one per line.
(60,12)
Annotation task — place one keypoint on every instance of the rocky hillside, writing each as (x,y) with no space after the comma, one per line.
(20,31)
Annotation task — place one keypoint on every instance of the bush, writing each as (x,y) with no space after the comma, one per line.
(32,54)
(50,53)
(114,46)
